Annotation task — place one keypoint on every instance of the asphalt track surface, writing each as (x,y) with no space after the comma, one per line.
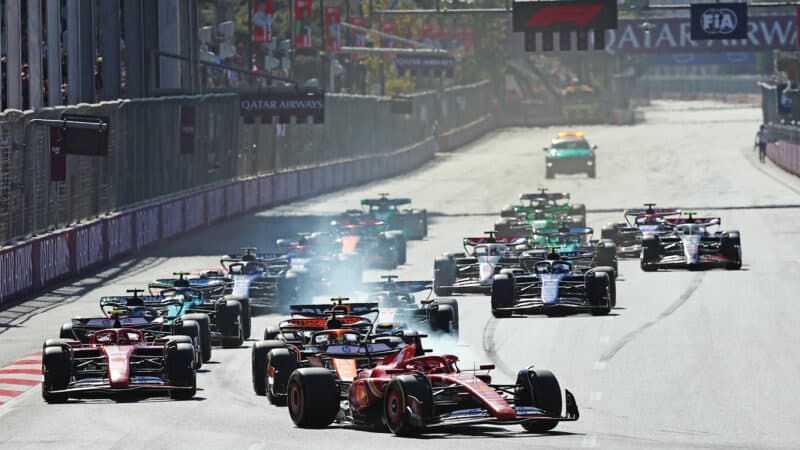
(686,360)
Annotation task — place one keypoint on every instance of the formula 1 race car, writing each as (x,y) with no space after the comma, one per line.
(317,256)
(398,306)
(570,153)
(371,243)
(149,314)
(553,286)
(413,222)
(316,336)
(542,209)
(227,314)
(692,246)
(628,235)
(117,362)
(410,394)
(266,279)
(474,270)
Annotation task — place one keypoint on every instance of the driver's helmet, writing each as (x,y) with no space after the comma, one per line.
(302,241)
(554,256)
(539,215)
(333,324)
(253,269)
(135,301)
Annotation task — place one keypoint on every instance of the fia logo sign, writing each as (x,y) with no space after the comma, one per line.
(718,21)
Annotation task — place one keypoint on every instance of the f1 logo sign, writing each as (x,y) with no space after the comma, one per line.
(565,15)
(576,15)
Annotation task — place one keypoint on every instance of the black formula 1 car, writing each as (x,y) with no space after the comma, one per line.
(692,246)
(371,243)
(117,362)
(553,286)
(319,259)
(628,235)
(399,308)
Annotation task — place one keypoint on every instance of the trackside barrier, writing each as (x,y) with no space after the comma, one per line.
(44,261)
(786,155)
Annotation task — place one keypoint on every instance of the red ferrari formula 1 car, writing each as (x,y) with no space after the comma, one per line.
(116,362)
(410,394)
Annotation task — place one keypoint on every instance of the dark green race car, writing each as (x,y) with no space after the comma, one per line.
(570,153)
(413,222)
(539,210)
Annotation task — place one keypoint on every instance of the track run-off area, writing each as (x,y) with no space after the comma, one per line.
(686,360)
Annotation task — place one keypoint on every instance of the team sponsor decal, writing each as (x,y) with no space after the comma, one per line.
(194,212)
(54,258)
(146,227)
(172,218)
(119,231)
(89,246)
(16,271)
(719,21)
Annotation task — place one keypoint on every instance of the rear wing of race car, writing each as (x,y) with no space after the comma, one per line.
(401,286)
(570,230)
(537,196)
(631,214)
(321,310)
(697,220)
(385,201)
(508,240)
(125,300)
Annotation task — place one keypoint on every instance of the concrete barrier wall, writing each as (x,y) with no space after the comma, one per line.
(786,155)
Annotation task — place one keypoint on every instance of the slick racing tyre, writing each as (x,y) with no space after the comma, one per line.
(271,333)
(57,368)
(313,397)
(610,232)
(67,332)
(258,355)
(731,248)
(607,254)
(540,389)
(229,322)
(190,327)
(280,365)
(503,295)
(246,313)
(205,333)
(444,274)
(651,250)
(612,283)
(441,318)
(396,403)
(597,293)
(178,362)
(508,211)
(453,304)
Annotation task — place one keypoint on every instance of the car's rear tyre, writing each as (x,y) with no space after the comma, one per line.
(610,232)
(67,332)
(731,248)
(280,363)
(190,327)
(597,293)
(397,402)
(271,333)
(441,318)
(549,173)
(313,397)
(229,323)
(179,358)
(246,314)
(444,274)
(650,256)
(592,172)
(205,333)
(540,389)
(607,254)
(57,370)
(453,303)
(612,283)
(258,360)
(503,295)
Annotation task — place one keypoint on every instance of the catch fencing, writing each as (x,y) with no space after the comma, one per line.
(147,158)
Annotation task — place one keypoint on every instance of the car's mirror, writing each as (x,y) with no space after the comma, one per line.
(594,147)
(544,149)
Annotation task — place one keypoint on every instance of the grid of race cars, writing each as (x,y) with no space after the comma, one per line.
(361,361)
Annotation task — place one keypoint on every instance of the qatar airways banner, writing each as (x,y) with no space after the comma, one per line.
(673,35)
